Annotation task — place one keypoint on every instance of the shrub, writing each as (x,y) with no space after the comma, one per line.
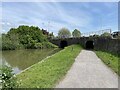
(8,80)
(38,45)
(44,45)
(48,45)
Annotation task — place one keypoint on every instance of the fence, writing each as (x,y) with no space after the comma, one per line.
(96,32)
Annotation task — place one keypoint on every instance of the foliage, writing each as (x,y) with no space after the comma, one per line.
(47,73)
(0,42)
(44,45)
(48,35)
(8,80)
(64,33)
(7,43)
(76,33)
(106,34)
(23,37)
(109,59)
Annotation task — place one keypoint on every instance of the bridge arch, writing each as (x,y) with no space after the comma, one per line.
(89,44)
(63,43)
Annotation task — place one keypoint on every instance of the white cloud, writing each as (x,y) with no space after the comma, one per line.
(8,23)
(65,16)
(59,16)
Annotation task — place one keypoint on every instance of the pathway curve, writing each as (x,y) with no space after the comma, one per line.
(88,71)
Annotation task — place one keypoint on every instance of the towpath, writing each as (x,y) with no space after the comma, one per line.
(88,71)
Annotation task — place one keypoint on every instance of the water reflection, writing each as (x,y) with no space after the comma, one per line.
(21,59)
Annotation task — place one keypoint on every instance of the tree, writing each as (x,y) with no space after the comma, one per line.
(106,34)
(64,33)
(76,33)
(24,37)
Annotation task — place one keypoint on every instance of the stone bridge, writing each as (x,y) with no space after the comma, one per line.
(97,43)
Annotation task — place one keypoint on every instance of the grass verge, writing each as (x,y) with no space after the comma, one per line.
(49,72)
(109,59)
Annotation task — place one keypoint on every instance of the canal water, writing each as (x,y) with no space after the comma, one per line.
(22,59)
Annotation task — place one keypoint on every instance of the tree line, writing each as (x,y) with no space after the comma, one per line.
(65,33)
(32,37)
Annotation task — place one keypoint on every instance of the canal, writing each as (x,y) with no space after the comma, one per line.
(22,59)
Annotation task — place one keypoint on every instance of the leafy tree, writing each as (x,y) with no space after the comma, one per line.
(23,37)
(64,33)
(76,33)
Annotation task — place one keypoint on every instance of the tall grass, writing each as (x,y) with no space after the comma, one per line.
(110,60)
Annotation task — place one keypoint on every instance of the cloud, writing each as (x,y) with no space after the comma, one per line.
(3,23)
(53,16)
(64,17)
(8,23)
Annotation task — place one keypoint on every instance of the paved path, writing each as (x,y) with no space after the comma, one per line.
(88,71)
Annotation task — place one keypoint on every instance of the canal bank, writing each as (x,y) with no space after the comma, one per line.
(19,60)
(48,72)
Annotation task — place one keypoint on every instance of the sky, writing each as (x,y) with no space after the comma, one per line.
(52,16)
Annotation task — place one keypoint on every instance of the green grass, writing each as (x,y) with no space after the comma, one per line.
(49,72)
(109,59)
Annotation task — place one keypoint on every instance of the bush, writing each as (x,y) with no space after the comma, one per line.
(8,80)
(38,45)
(48,45)
(44,45)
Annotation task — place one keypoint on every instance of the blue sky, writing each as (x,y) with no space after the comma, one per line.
(85,16)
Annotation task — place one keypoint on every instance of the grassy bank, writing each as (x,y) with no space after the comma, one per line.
(109,59)
(49,72)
